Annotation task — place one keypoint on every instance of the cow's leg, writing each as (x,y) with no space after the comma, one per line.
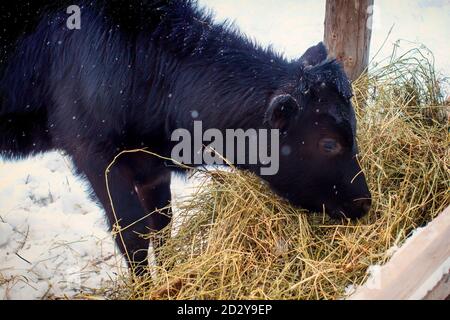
(136,188)
(154,194)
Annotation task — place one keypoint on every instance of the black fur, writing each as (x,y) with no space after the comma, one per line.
(133,74)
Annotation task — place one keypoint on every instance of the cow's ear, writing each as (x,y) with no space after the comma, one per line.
(314,55)
(282,109)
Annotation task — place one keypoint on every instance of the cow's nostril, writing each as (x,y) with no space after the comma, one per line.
(364,206)
(357,209)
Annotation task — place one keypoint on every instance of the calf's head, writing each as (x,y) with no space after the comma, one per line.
(319,167)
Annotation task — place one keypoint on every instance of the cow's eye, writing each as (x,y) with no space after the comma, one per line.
(330,146)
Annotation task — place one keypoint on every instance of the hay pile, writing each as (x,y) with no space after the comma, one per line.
(245,243)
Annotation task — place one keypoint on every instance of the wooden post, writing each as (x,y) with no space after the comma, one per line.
(348,30)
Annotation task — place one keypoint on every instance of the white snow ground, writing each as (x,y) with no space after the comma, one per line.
(53,239)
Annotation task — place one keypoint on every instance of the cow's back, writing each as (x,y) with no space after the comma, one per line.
(99,84)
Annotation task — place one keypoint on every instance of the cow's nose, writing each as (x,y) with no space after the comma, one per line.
(362,206)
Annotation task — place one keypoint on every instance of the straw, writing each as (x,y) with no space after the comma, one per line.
(238,240)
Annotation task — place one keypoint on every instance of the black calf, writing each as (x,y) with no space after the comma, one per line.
(136,71)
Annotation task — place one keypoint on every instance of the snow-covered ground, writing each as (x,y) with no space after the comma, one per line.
(53,238)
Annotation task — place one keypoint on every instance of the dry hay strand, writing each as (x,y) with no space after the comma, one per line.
(240,241)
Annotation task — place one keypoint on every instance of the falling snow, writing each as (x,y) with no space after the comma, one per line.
(286,150)
(194,114)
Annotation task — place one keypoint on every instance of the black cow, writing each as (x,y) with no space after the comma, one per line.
(136,70)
